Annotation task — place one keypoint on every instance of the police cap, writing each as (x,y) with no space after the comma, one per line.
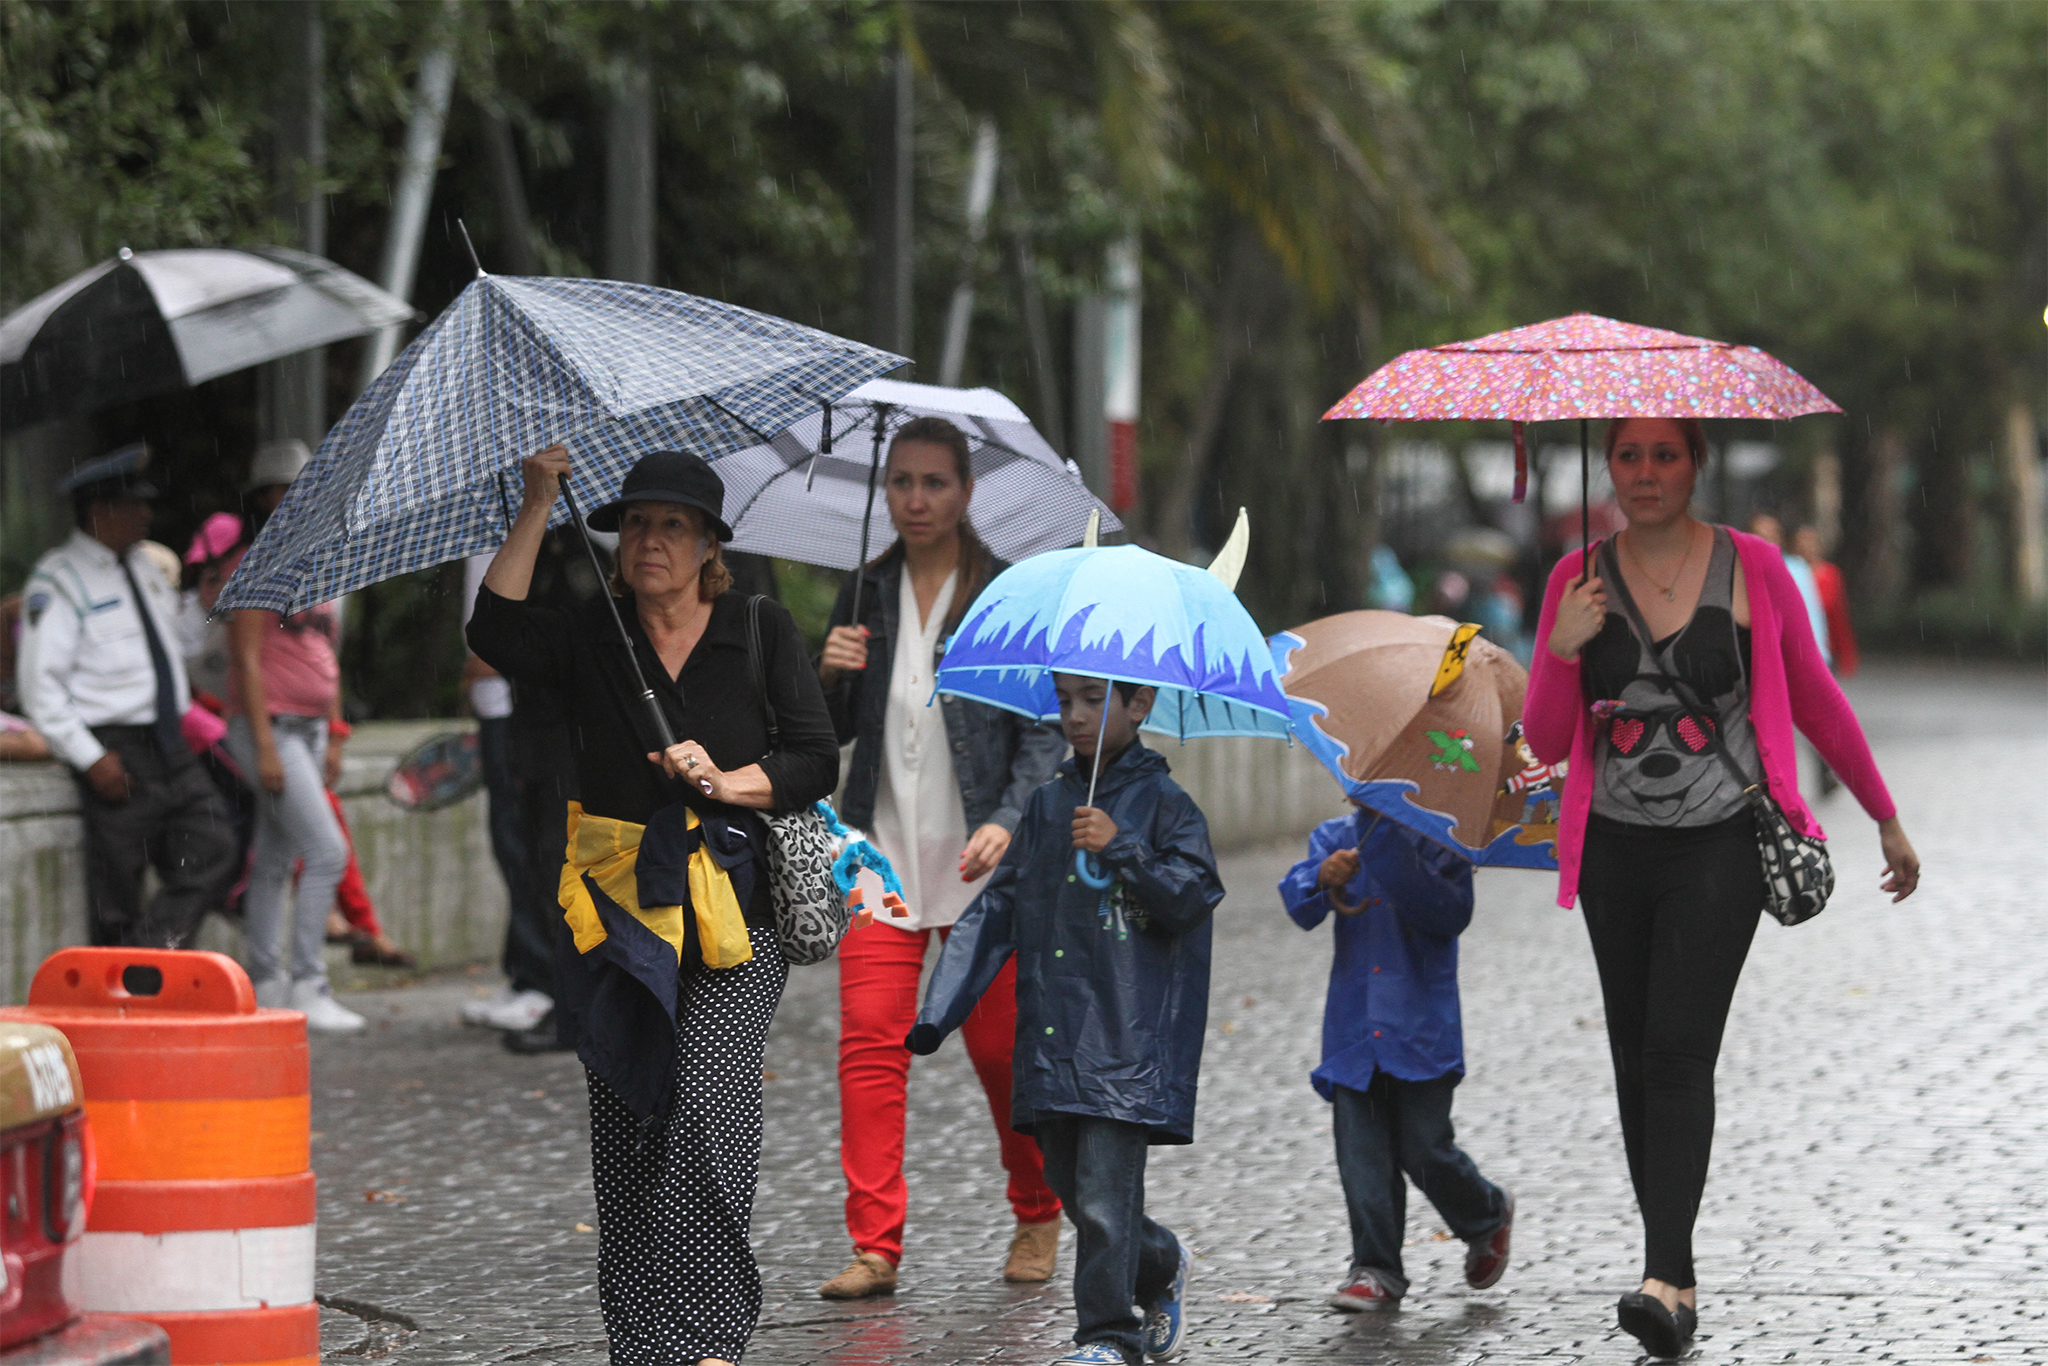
(117,475)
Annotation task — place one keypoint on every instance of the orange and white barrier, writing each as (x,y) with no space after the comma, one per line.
(201,1112)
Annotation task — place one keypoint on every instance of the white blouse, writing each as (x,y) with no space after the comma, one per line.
(919,821)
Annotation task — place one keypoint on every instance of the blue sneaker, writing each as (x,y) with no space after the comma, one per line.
(1091,1354)
(1165,1324)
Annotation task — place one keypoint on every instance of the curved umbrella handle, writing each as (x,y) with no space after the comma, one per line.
(1089,869)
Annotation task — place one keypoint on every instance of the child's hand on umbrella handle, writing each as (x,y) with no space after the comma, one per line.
(1581,612)
(1338,869)
(846,652)
(1093,829)
(543,472)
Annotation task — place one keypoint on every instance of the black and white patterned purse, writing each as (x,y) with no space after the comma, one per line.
(1798,875)
(811,916)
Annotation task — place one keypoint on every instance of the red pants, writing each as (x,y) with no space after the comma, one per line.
(351,897)
(878,971)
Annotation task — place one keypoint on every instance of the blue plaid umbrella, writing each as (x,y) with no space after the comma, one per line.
(424,467)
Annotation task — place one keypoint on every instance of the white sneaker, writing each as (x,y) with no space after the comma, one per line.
(478,1011)
(274,993)
(520,1013)
(323,1012)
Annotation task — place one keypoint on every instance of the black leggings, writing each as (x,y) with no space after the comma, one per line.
(1671,914)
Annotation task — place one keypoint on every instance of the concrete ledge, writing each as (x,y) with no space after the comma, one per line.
(432,877)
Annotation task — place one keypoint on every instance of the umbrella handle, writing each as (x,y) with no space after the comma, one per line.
(1089,869)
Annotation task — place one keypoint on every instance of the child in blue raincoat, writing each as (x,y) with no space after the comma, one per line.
(1112,1003)
(1393,1047)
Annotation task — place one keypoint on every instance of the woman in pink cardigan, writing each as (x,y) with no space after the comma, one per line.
(1655,839)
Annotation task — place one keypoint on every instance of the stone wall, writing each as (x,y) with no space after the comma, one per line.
(432,877)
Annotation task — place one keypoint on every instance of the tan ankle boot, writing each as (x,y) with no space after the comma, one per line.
(867,1275)
(1034,1251)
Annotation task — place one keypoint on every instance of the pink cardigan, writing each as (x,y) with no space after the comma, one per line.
(1789,685)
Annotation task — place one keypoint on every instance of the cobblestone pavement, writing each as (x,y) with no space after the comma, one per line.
(1879,1193)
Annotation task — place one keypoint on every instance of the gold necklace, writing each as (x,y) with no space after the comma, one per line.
(1684,560)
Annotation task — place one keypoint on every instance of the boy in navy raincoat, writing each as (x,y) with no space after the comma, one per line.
(1112,1003)
(1393,1047)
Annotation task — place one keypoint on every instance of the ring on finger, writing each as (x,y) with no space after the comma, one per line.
(689,761)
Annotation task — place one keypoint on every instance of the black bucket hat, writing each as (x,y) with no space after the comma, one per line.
(667,477)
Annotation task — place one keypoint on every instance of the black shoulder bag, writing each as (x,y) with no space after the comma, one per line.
(1798,875)
(811,917)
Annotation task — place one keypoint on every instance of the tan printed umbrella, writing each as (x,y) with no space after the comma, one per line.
(1421,720)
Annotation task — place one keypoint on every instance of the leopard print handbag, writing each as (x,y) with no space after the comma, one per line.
(811,916)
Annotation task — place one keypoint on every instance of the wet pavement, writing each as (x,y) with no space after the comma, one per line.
(1879,1190)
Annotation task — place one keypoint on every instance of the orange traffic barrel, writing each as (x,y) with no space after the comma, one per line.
(201,1115)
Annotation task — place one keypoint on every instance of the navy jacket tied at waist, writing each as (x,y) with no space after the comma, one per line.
(617,1003)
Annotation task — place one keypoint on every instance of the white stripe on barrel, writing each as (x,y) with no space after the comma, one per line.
(199,1271)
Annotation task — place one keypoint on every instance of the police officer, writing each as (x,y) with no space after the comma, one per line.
(101,678)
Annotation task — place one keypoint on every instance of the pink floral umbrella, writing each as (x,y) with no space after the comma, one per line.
(1581,366)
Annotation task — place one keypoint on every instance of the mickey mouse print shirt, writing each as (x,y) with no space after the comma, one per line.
(1655,759)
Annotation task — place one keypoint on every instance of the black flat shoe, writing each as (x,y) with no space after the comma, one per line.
(537,1040)
(1662,1332)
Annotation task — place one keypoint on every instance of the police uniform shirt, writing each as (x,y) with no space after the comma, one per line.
(84,658)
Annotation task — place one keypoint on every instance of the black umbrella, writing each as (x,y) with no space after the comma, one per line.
(152,322)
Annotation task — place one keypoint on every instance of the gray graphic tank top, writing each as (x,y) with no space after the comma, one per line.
(1654,758)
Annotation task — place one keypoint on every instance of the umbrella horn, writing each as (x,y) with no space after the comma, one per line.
(655,720)
(1229,562)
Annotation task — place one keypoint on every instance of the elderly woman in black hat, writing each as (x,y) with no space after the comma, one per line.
(674,1063)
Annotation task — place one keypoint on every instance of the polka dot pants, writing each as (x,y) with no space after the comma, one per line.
(675,1270)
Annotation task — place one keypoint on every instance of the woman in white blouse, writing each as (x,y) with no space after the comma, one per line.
(940,786)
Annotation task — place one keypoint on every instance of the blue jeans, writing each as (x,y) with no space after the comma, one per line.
(1121,1258)
(1396,1126)
(295,827)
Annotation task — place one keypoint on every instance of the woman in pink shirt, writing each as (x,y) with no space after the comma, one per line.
(284,695)
(1655,839)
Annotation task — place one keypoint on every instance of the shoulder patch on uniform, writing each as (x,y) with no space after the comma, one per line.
(37,601)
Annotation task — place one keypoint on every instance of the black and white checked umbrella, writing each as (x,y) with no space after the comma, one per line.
(151,322)
(788,497)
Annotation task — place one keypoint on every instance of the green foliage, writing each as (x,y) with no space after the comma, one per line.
(1860,189)
(808,592)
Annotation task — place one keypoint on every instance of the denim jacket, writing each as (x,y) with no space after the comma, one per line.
(999,758)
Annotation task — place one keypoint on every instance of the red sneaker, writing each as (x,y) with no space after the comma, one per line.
(1487,1258)
(1364,1290)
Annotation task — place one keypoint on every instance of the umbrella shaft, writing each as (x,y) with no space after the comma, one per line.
(860,573)
(1585,499)
(656,720)
(1100,731)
